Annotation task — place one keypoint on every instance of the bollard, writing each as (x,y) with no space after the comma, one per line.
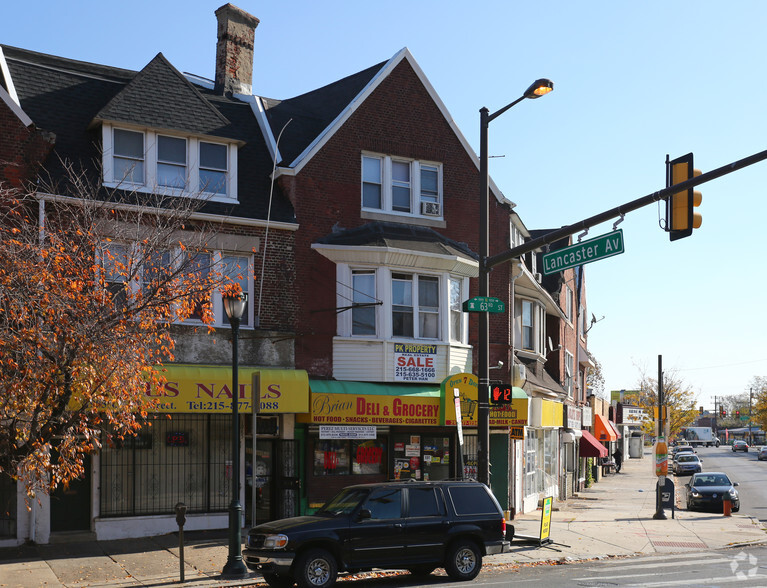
(727,505)
(181,519)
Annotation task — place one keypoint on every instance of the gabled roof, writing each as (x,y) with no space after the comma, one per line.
(160,97)
(321,113)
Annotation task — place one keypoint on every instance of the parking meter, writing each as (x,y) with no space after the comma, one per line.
(181,519)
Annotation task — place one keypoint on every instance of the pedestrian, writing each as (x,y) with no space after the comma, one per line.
(618,457)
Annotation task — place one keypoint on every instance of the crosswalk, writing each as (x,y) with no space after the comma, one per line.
(747,568)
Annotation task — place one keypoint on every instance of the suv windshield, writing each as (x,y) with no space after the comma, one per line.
(683,458)
(344,502)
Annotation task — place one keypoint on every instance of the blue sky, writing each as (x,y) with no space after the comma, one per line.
(633,82)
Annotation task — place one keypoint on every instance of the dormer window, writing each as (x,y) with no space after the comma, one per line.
(148,161)
(401,186)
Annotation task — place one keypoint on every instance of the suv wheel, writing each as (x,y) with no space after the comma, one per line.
(316,568)
(464,560)
(278,580)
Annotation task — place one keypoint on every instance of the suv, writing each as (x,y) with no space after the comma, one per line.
(412,525)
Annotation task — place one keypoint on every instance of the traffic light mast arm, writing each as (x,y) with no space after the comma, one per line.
(623,209)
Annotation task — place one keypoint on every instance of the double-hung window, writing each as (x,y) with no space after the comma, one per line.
(147,161)
(532,323)
(456,310)
(569,367)
(363,302)
(171,162)
(421,320)
(401,186)
(128,160)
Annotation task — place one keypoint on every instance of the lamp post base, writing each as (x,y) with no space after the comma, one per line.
(235,568)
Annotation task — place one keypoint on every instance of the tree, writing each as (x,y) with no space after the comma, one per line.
(677,397)
(87,299)
(758,386)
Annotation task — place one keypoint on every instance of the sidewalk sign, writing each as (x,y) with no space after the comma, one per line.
(544,540)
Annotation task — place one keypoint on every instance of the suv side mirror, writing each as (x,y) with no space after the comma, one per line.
(365,514)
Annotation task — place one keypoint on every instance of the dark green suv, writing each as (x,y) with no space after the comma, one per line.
(412,525)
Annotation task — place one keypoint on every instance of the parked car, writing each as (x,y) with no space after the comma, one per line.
(687,463)
(762,455)
(740,446)
(679,449)
(706,491)
(418,526)
(717,441)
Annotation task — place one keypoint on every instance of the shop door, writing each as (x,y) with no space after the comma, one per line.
(287,482)
(71,506)
(259,484)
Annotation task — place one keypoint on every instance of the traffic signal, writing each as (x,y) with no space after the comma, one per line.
(724,413)
(501,395)
(737,413)
(681,217)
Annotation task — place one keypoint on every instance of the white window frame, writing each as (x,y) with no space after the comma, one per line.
(417,196)
(150,161)
(217,258)
(568,303)
(383,311)
(538,326)
(569,373)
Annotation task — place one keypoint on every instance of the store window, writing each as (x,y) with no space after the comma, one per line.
(344,457)
(422,457)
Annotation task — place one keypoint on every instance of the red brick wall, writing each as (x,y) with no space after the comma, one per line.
(399,118)
(22,149)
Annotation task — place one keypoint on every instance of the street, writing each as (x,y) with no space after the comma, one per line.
(743,468)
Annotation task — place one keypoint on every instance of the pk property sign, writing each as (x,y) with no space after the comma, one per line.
(584,252)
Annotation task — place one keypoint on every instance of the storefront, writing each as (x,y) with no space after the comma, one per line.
(184,454)
(570,447)
(360,432)
(542,452)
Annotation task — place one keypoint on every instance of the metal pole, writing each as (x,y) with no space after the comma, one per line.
(483,395)
(235,567)
(659,514)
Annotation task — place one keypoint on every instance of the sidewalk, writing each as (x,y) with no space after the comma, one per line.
(612,518)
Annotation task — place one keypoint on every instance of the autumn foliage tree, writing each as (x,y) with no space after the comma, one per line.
(677,397)
(89,287)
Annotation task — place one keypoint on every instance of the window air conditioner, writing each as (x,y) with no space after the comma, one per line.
(430,208)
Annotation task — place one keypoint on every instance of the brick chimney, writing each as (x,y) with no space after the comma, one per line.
(234,50)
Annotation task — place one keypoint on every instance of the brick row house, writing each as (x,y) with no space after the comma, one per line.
(355,208)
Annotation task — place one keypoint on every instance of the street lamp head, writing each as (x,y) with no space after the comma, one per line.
(539,88)
(235,304)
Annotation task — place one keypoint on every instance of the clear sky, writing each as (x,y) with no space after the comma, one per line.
(633,82)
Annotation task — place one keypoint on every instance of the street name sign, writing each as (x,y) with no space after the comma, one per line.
(594,249)
(484,304)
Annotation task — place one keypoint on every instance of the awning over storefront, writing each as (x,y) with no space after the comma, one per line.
(193,388)
(604,431)
(368,403)
(615,429)
(591,447)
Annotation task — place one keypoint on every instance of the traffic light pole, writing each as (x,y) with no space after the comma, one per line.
(622,210)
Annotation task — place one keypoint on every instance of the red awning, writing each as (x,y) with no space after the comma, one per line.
(615,430)
(602,429)
(590,447)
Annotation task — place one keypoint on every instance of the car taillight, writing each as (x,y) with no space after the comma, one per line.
(503,526)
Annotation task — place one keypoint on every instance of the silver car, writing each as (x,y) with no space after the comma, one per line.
(762,455)
(686,464)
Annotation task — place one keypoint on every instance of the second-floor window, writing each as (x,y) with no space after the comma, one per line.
(532,318)
(415,306)
(363,302)
(401,186)
(569,368)
(568,303)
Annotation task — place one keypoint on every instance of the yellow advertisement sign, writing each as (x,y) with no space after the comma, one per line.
(373,409)
(507,415)
(546,519)
(208,389)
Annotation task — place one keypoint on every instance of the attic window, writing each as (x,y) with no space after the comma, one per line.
(147,161)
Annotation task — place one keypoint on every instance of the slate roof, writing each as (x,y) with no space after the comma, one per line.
(65,97)
(314,111)
(399,236)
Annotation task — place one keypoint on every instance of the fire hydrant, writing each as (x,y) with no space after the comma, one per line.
(727,505)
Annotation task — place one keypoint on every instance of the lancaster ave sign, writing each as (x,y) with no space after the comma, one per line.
(584,252)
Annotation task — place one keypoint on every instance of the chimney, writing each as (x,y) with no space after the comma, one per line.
(234,50)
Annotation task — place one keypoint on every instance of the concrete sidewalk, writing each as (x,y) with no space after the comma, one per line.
(612,518)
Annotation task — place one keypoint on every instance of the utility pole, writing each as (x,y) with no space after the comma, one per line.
(750,399)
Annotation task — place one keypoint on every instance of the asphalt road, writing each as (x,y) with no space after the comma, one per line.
(743,468)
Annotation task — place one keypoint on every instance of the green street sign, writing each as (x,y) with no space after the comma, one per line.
(484,304)
(587,251)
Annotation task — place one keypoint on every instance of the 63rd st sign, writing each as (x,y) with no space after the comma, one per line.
(584,252)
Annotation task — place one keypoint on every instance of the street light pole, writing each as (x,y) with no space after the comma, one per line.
(235,568)
(537,89)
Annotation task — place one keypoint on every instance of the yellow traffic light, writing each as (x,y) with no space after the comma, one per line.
(681,216)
